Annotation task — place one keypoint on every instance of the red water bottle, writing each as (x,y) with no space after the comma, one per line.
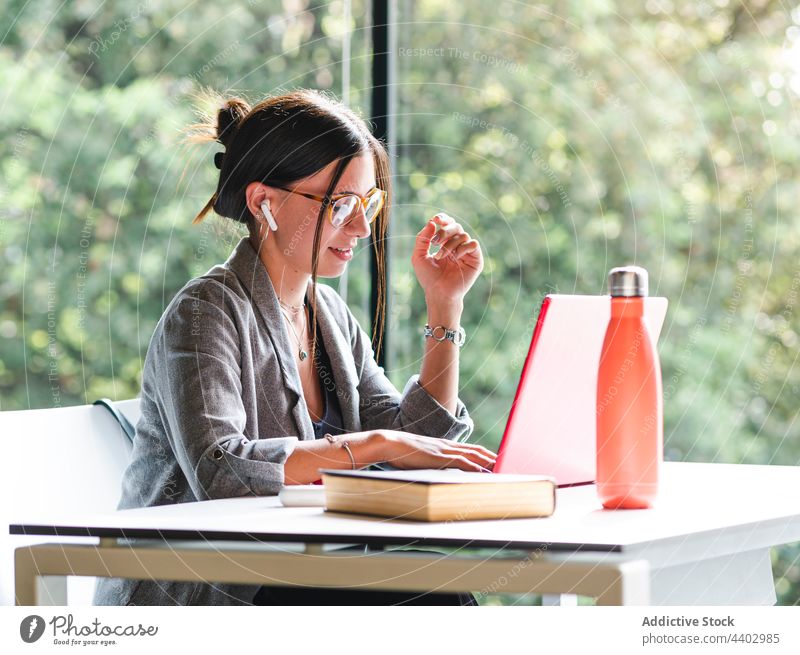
(630,432)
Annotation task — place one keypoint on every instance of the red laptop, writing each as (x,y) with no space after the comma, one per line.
(551,427)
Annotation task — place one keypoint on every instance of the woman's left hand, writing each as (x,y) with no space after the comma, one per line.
(449,273)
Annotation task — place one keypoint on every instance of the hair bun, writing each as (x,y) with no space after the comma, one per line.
(228,118)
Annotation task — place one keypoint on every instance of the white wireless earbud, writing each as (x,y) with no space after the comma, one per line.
(268,215)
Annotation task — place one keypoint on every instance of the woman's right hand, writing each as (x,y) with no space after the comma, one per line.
(400,449)
(413,451)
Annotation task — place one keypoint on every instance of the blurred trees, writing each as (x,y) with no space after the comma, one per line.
(568,137)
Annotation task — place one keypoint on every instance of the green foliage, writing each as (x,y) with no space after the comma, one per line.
(567,138)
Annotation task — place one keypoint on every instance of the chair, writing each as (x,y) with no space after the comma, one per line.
(67,458)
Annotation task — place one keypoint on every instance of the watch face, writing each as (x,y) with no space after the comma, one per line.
(456,336)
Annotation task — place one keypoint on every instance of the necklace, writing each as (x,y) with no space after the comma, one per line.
(302,353)
(292,308)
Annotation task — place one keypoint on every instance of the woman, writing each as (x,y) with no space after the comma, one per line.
(253,363)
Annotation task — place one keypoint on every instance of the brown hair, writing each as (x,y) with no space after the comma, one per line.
(283,139)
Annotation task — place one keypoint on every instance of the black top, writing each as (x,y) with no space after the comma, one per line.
(332,416)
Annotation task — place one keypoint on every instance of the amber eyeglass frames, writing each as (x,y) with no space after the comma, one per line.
(342,207)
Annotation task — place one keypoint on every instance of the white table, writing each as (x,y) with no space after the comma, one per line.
(706,542)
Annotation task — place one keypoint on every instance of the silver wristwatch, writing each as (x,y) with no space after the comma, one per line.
(440,333)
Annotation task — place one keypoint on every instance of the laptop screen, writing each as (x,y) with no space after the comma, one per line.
(551,427)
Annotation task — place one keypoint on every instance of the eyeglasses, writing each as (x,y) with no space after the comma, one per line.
(342,207)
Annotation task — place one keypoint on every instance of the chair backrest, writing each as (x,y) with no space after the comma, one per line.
(118,411)
(67,458)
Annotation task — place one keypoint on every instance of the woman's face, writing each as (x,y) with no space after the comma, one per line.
(296,217)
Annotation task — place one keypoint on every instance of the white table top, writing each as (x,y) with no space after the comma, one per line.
(703,510)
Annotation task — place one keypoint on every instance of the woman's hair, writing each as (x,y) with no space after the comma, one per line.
(281,140)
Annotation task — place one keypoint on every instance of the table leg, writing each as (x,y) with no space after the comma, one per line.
(564,600)
(52,589)
(739,579)
(25,577)
(32,588)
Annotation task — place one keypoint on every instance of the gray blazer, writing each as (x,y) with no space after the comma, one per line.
(223,408)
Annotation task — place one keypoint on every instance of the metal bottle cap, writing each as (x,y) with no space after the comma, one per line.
(628,281)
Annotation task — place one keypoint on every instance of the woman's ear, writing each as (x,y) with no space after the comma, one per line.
(257,194)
